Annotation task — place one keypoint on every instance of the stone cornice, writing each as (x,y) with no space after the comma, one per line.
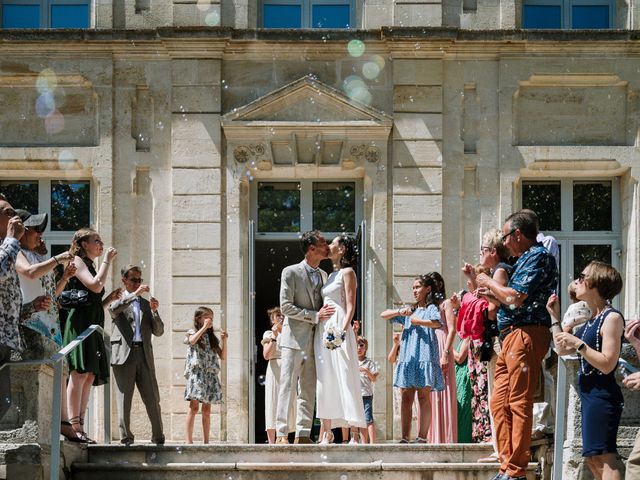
(399,42)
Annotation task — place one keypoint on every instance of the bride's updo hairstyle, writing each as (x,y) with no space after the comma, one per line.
(350,256)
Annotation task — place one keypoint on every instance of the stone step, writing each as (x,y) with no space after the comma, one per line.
(279,462)
(282,471)
(335,453)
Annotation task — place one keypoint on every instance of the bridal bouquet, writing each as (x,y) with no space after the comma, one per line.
(333,338)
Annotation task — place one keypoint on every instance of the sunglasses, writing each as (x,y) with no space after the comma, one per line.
(581,277)
(8,212)
(483,248)
(135,280)
(507,235)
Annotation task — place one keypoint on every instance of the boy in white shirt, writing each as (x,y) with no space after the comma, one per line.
(368,374)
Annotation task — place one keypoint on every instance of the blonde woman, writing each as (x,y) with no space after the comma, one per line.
(88,363)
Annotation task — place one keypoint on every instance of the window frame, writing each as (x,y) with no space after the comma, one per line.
(45,10)
(44,206)
(567,238)
(307,11)
(566,11)
(306,207)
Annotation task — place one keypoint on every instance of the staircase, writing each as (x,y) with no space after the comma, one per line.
(275,462)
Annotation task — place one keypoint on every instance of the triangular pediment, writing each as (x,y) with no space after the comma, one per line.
(307,100)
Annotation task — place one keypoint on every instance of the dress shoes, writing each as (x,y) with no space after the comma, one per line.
(282,441)
(301,440)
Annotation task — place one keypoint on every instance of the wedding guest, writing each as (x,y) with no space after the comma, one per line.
(524,330)
(418,370)
(271,352)
(368,375)
(89,363)
(37,279)
(444,404)
(632,382)
(135,321)
(11,231)
(598,343)
(463,390)
(202,370)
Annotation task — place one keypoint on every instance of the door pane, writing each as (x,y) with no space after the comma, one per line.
(592,206)
(20,16)
(279,207)
(21,194)
(330,16)
(70,206)
(70,16)
(584,254)
(334,207)
(590,16)
(544,199)
(282,16)
(542,16)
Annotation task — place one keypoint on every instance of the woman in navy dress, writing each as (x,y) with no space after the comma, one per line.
(598,344)
(418,369)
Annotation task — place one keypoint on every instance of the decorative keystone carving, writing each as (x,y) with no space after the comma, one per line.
(244,153)
(370,153)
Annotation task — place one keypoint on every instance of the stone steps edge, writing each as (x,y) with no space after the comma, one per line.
(246,466)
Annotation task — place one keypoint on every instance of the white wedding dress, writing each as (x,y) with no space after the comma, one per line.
(338,394)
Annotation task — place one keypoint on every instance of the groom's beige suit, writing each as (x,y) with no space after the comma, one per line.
(300,301)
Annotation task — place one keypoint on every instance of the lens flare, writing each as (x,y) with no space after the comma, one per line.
(356,48)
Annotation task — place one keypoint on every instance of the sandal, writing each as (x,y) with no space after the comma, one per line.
(327,438)
(80,433)
(72,437)
(420,440)
(403,440)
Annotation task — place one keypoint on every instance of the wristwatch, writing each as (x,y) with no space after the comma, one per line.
(582,345)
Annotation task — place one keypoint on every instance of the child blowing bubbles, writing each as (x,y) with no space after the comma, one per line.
(202,369)
(368,375)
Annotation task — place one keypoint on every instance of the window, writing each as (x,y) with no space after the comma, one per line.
(568,14)
(307,13)
(44,13)
(68,204)
(286,208)
(583,216)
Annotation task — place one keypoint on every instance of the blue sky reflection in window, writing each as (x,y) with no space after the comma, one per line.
(45,14)
(568,14)
(307,13)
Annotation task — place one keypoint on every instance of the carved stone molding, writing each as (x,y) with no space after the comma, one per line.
(245,153)
(370,153)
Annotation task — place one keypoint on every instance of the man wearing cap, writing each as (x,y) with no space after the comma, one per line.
(11,230)
(135,319)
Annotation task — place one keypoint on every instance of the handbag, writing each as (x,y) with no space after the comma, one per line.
(73,299)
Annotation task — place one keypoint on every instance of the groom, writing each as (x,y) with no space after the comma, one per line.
(301,303)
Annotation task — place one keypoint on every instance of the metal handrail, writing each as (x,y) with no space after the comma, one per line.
(56,361)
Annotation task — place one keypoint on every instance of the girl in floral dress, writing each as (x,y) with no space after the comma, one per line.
(202,370)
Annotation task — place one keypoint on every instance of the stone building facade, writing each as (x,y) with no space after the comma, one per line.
(431,122)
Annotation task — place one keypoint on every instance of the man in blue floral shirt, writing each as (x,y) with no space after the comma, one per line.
(524,330)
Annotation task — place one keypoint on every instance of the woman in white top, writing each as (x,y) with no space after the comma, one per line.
(271,352)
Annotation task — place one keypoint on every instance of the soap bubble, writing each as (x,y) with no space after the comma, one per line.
(262,380)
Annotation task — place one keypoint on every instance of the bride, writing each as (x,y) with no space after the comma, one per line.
(338,395)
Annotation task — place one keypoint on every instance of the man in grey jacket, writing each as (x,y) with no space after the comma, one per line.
(301,303)
(135,319)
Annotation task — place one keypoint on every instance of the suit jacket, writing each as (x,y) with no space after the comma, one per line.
(124,327)
(299,304)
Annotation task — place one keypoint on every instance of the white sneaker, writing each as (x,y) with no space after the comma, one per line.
(353,441)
